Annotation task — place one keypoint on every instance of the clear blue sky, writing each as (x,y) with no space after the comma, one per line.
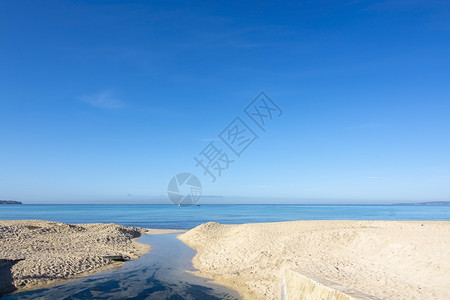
(106,101)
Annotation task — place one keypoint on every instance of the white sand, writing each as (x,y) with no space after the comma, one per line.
(384,259)
(53,251)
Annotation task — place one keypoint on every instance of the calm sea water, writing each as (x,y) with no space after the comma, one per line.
(174,217)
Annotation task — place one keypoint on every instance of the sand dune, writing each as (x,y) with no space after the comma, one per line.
(383,259)
(53,251)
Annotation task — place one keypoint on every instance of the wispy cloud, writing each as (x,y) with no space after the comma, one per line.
(209,140)
(263,186)
(390,5)
(105,99)
(373,125)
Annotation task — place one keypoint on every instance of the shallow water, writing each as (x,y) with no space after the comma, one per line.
(159,274)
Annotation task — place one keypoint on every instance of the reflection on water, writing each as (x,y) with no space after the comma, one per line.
(159,274)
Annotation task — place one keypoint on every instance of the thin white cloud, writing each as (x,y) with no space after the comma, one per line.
(210,140)
(263,186)
(391,5)
(367,126)
(105,99)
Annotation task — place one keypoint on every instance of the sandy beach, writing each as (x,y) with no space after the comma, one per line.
(377,259)
(381,259)
(38,253)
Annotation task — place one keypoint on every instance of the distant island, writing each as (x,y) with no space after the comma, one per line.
(427,203)
(9,202)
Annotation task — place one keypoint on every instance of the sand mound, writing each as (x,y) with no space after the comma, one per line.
(52,251)
(384,259)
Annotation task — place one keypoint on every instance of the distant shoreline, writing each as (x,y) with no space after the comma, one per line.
(426,203)
(435,203)
(9,202)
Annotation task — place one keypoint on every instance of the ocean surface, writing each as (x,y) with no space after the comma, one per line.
(174,217)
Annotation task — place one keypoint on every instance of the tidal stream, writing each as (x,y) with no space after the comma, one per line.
(159,274)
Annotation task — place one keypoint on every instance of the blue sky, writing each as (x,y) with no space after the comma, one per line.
(104,102)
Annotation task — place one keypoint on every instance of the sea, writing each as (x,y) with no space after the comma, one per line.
(174,217)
